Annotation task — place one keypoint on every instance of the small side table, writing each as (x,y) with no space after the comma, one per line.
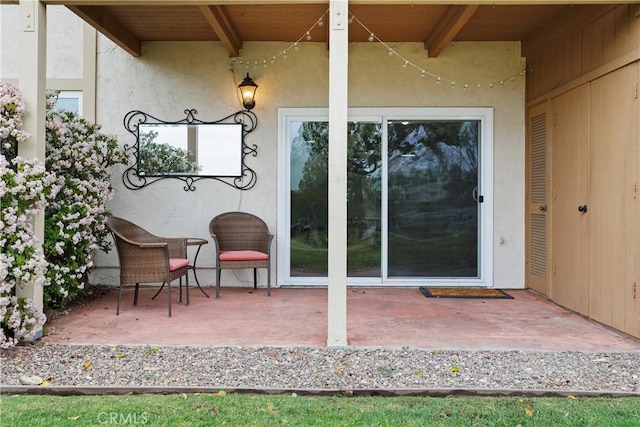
(193,241)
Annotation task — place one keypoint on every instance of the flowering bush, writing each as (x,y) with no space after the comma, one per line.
(12,110)
(22,261)
(73,191)
(75,219)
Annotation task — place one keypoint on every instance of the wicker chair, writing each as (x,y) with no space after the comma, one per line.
(241,240)
(145,258)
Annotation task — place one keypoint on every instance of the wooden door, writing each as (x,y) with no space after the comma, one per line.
(569,200)
(633,217)
(632,305)
(536,196)
(614,213)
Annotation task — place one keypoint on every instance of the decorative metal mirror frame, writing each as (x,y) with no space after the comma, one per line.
(134,181)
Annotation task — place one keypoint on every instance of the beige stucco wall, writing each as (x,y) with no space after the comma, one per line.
(64,48)
(171,77)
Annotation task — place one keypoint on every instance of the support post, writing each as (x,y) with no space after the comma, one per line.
(338,101)
(32,84)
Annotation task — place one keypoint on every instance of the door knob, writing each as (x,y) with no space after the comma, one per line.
(542,208)
(582,208)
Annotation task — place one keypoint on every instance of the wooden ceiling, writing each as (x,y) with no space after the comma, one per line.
(131,23)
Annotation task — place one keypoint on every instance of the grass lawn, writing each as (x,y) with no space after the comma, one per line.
(221,408)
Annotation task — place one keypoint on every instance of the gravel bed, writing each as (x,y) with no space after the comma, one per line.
(319,368)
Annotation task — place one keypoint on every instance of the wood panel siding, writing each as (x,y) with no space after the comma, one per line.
(605,33)
(587,80)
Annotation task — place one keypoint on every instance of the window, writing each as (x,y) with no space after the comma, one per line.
(70,100)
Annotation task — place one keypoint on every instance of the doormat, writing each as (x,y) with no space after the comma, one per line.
(464,293)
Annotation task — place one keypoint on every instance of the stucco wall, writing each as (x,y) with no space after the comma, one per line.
(64,47)
(171,77)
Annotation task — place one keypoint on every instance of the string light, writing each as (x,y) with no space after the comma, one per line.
(406,63)
(423,73)
(285,53)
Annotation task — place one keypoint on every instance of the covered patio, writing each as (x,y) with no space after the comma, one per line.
(338,315)
(377,317)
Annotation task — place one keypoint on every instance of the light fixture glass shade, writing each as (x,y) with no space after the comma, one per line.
(248,92)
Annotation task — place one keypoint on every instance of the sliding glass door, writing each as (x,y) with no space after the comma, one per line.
(415,190)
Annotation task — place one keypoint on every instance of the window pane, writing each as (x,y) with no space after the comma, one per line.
(69,100)
(67,104)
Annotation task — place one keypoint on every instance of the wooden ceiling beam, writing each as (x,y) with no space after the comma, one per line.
(454,19)
(219,20)
(110,27)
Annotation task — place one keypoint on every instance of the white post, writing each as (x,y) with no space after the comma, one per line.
(338,101)
(32,83)
(89,65)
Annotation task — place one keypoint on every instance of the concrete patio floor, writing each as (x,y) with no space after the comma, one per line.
(377,317)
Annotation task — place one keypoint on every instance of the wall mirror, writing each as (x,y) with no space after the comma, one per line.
(190,149)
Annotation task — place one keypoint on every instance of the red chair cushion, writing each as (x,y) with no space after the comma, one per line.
(177,263)
(243,256)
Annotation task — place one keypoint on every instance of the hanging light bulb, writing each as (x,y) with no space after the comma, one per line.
(372,38)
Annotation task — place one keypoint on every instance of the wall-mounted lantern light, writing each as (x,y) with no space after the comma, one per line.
(248,92)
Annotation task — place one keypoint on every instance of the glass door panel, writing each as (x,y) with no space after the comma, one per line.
(433,205)
(309,195)
(364,177)
(309,192)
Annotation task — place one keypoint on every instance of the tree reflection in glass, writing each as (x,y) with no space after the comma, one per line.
(433,211)
(309,195)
